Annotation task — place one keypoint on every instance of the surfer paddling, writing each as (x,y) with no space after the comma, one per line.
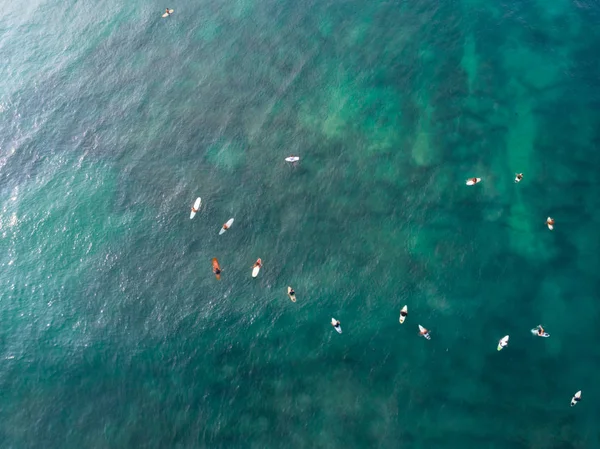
(226,226)
(168,12)
(292,159)
(216,268)
(424,332)
(473,181)
(550,223)
(195,207)
(503,343)
(518,177)
(575,399)
(540,332)
(336,325)
(256,267)
(292,294)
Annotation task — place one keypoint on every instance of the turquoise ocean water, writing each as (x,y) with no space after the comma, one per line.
(114,332)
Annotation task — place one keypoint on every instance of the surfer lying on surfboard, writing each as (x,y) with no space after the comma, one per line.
(424,332)
(503,343)
(292,294)
(226,226)
(336,324)
(216,268)
(168,12)
(195,207)
(576,398)
(403,313)
(473,181)
(518,177)
(550,223)
(256,267)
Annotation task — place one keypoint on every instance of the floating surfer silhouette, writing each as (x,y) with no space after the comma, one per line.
(168,12)
(550,223)
(473,181)
(292,294)
(519,177)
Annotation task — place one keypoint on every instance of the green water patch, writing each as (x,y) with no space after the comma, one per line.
(61,234)
(226,154)
(557,10)
(551,306)
(425,153)
(478,7)
(469,61)
(75,198)
(392,170)
(536,69)
(520,140)
(208,30)
(240,9)
(356,34)
(325,25)
(348,107)
(331,112)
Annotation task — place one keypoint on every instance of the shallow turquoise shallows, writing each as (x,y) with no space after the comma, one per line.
(114,332)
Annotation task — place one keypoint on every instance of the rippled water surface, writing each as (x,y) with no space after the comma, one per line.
(114,332)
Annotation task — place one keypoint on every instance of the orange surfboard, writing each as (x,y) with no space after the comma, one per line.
(216,268)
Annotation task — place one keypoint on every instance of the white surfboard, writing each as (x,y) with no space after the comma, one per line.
(335,324)
(535,332)
(403,313)
(518,177)
(171,11)
(503,342)
(550,223)
(292,295)
(576,398)
(424,332)
(256,268)
(292,159)
(195,207)
(473,181)
(226,226)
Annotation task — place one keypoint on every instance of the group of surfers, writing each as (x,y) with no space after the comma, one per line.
(538,331)
(518,178)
